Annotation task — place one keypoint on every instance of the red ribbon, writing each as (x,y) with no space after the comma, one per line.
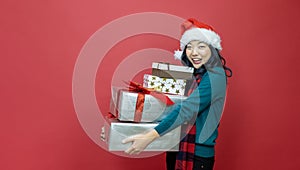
(135,87)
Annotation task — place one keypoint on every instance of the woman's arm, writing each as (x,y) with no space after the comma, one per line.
(189,109)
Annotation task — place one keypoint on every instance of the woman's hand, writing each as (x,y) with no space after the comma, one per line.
(140,141)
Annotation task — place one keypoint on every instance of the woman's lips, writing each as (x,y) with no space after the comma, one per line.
(196,60)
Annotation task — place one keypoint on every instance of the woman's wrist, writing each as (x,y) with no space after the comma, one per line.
(153,134)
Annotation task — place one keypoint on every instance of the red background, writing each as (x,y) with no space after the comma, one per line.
(41,40)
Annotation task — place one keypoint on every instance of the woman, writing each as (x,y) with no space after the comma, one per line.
(204,106)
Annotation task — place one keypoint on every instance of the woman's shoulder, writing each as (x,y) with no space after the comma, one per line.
(216,72)
(214,75)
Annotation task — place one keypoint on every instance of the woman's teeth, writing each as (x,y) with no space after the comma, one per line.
(197,60)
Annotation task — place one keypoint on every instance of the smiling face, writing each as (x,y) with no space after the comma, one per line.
(198,53)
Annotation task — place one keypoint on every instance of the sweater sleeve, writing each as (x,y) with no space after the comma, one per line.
(188,109)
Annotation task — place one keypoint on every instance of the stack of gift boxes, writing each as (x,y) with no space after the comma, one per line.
(138,111)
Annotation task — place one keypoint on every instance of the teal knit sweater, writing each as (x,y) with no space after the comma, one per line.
(204,106)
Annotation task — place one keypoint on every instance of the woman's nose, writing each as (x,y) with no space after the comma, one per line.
(194,52)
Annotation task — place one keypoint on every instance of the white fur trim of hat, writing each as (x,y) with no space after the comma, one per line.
(204,35)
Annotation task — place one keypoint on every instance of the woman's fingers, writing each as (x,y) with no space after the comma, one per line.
(129,139)
(140,141)
(132,150)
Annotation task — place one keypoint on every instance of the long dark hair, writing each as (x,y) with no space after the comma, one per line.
(227,70)
(212,62)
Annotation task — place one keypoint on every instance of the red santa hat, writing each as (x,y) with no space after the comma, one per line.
(191,30)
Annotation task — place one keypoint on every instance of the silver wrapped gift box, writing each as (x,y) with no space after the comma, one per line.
(123,106)
(117,131)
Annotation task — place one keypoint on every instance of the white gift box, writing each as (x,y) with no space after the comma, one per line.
(165,85)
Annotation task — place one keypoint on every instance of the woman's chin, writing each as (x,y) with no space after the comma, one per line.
(196,66)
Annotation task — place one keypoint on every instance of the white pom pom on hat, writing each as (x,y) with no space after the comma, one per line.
(178,54)
(195,30)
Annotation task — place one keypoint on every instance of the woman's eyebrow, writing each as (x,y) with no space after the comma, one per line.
(189,44)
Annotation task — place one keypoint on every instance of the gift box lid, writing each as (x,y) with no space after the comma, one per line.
(167,66)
